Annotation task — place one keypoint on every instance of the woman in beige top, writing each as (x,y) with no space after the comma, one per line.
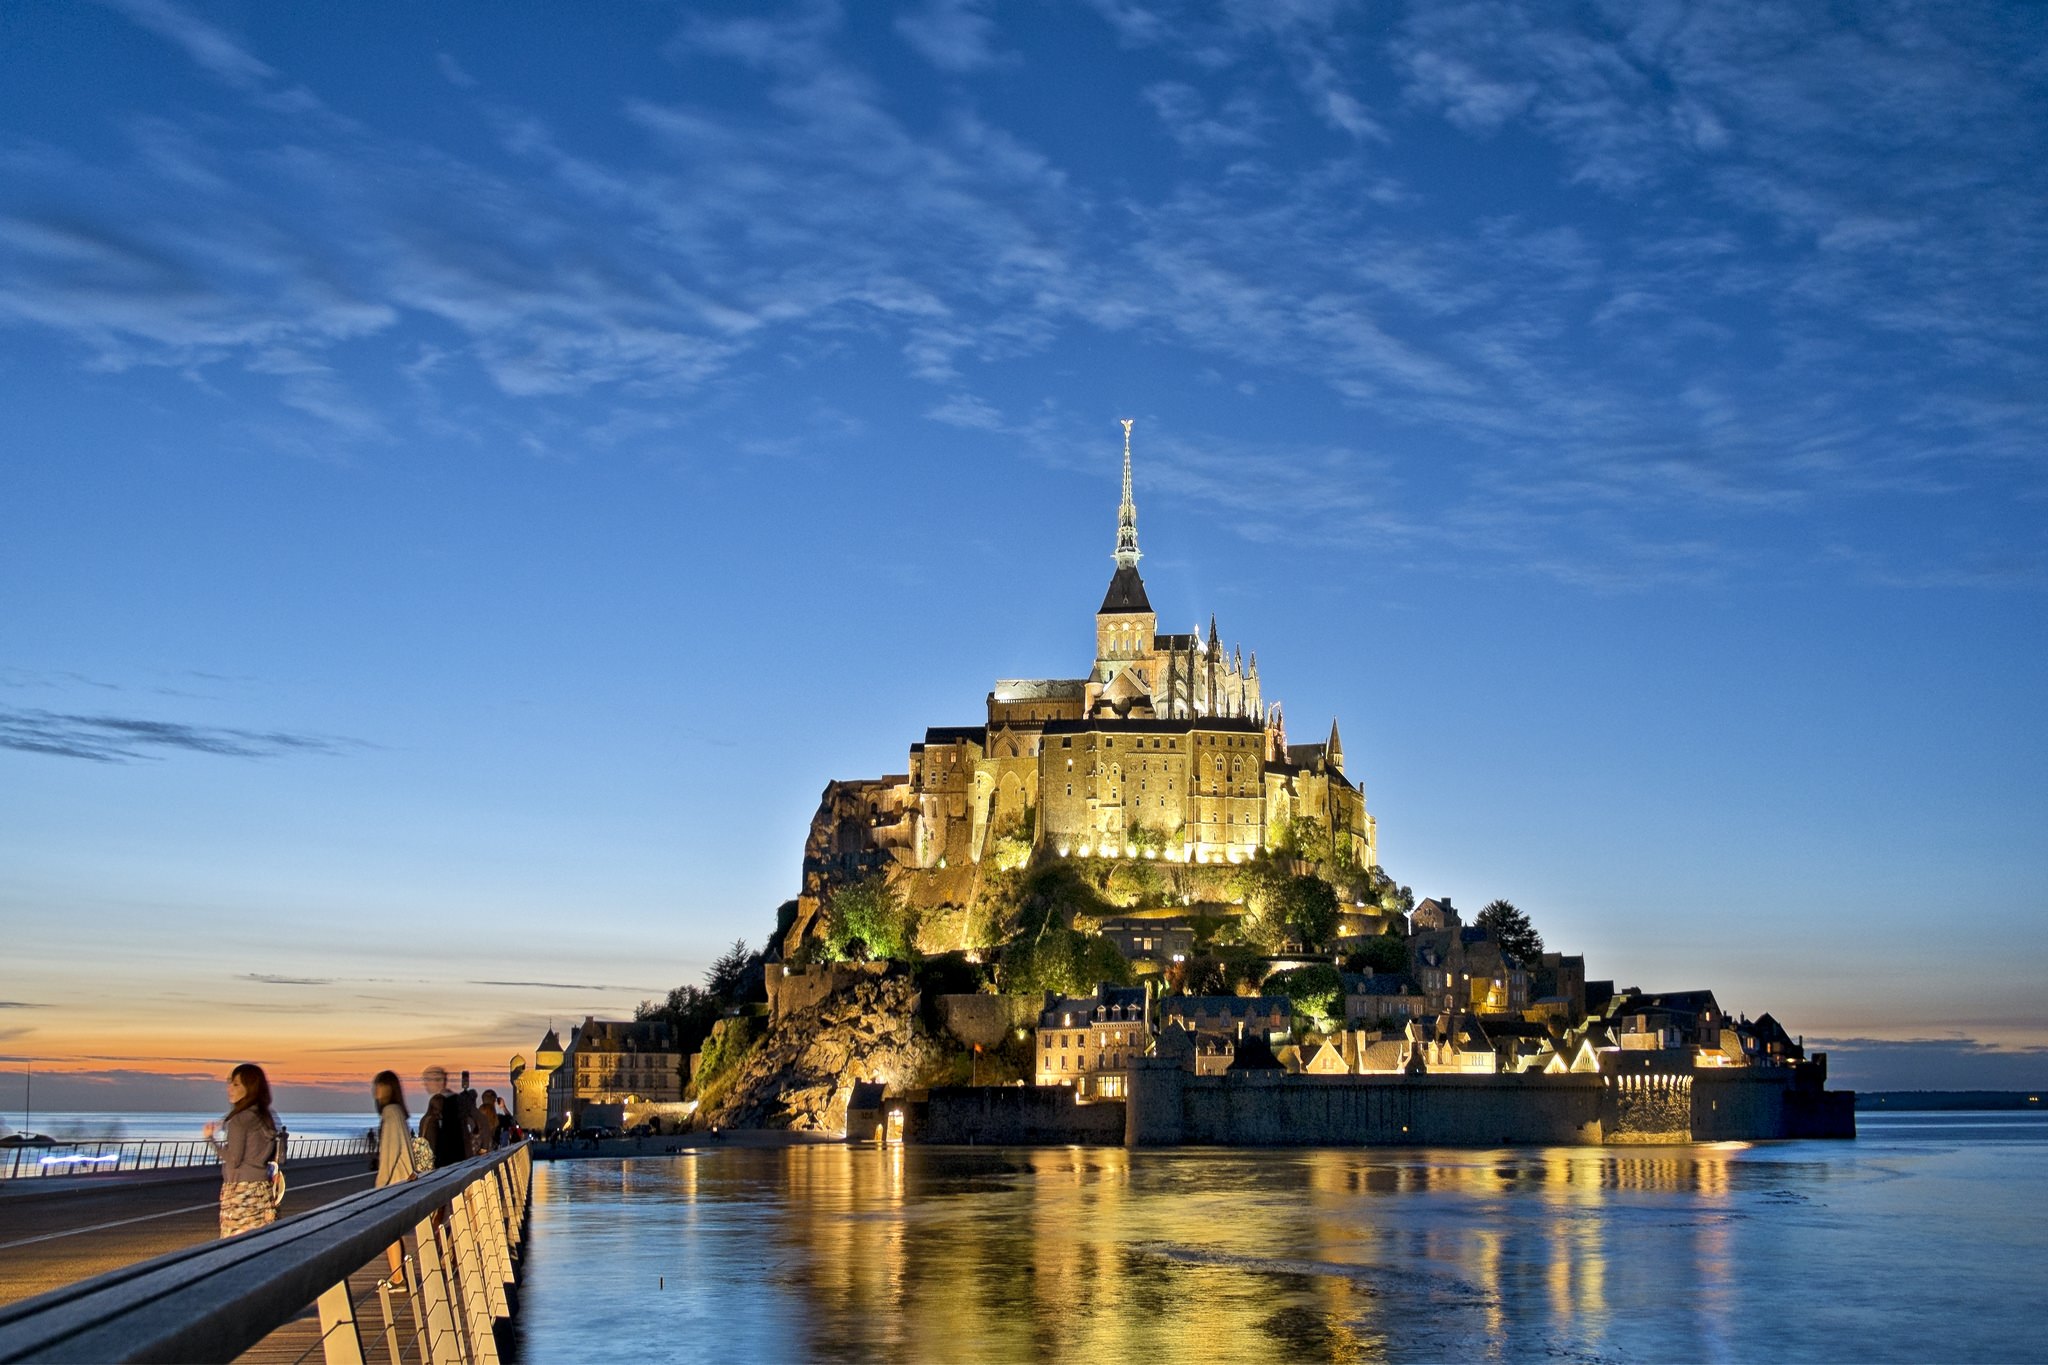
(247,1140)
(394,1150)
(394,1130)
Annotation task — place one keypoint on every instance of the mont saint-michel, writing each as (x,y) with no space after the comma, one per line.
(1125,908)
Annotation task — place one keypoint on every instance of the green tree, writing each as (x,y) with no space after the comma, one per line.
(1308,838)
(1387,953)
(723,979)
(869,920)
(689,1011)
(1511,929)
(1063,961)
(1392,898)
(1133,883)
(1310,905)
(1316,990)
(1054,894)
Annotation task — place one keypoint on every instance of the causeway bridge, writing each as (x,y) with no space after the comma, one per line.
(125,1263)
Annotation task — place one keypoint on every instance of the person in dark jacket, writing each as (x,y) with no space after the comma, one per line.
(441,1122)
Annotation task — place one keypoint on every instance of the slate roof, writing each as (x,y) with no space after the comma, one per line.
(1374,983)
(1230,1006)
(1126,592)
(1039,689)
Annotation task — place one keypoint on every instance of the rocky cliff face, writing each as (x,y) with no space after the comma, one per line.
(799,1075)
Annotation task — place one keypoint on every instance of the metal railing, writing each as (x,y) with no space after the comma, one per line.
(458,1229)
(153,1154)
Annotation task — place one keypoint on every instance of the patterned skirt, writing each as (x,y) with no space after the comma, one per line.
(245,1205)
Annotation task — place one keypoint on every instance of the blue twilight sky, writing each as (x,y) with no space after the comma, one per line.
(472,473)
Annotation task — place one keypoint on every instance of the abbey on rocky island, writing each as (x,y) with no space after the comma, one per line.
(1167,749)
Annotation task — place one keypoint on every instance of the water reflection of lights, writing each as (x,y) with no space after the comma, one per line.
(907,1252)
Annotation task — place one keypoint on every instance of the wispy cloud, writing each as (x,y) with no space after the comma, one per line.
(115,739)
(561,986)
(271,979)
(1752,218)
(953,35)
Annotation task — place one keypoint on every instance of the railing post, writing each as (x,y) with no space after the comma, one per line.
(340,1342)
(442,1344)
(492,1216)
(390,1320)
(470,1278)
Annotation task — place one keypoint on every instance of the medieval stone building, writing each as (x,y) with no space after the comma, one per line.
(1167,748)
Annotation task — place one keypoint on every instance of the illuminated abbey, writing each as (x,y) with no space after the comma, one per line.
(1167,749)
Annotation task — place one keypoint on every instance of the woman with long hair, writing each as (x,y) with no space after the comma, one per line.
(394,1149)
(246,1144)
(394,1130)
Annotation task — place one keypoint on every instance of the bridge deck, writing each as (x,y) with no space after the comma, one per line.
(50,1239)
(299,1339)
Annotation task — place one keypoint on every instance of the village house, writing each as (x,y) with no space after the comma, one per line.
(613,1063)
(1381,997)
(1144,939)
(1088,1041)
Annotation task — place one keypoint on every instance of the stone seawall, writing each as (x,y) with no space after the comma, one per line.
(1019,1116)
(1170,1107)
(1269,1109)
(1739,1104)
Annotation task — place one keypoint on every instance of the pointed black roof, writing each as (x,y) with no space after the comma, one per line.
(1126,592)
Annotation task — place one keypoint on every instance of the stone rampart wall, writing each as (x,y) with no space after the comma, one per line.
(1168,1107)
(1271,1109)
(793,991)
(1019,1116)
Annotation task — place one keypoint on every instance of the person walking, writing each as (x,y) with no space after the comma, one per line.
(441,1124)
(246,1142)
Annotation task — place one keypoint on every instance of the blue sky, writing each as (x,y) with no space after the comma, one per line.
(473,474)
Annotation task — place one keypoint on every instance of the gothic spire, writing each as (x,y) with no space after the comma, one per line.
(1127,513)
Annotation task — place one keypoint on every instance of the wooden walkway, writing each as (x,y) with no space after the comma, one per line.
(386,1317)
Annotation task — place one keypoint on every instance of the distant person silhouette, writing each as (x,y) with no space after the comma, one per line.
(487,1130)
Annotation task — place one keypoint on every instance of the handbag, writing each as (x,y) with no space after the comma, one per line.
(422,1156)
(277,1167)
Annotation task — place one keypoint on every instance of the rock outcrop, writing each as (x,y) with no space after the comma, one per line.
(799,1076)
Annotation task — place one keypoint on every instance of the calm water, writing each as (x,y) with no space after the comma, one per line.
(66,1126)
(1926,1239)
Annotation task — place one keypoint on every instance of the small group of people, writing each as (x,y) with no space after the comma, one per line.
(454,1126)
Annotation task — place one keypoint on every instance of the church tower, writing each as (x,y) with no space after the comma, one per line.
(1125,625)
